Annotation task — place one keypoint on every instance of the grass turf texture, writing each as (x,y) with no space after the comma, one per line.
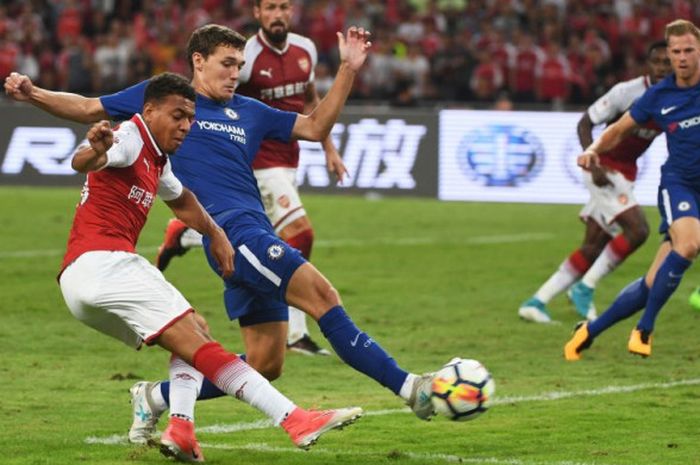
(428,280)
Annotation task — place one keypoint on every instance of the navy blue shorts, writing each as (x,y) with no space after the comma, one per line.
(263,265)
(676,199)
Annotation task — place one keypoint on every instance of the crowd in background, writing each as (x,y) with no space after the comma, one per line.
(425,51)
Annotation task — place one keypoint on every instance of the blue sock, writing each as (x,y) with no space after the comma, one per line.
(208,391)
(666,281)
(629,301)
(359,350)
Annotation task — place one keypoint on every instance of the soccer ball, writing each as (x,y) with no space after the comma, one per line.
(462,390)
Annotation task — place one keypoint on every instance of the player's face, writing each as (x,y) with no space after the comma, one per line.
(216,75)
(659,64)
(684,52)
(274,17)
(169,120)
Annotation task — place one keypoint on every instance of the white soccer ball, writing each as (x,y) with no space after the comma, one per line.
(462,390)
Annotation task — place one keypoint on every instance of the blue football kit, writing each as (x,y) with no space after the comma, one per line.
(677,111)
(214,161)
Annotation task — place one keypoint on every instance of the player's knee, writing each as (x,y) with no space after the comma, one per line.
(637,236)
(592,250)
(688,248)
(271,369)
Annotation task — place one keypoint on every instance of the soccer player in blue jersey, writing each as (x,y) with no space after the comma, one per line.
(214,161)
(673,105)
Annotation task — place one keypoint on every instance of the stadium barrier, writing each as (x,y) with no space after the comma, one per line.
(464,155)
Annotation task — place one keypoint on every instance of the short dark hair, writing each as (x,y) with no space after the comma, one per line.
(166,84)
(205,39)
(655,45)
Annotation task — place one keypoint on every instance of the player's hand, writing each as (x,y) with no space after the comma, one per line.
(18,87)
(335,165)
(587,159)
(599,176)
(223,252)
(354,47)
(100,137)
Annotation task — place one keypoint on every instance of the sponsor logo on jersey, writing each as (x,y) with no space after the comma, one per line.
(275,252)
(282,91)
(231,113)
(235,133)
(500,154)
(685,124)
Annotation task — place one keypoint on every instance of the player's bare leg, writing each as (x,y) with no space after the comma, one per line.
(299,234)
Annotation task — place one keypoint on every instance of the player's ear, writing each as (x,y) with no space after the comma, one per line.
(197,61)
(147,109)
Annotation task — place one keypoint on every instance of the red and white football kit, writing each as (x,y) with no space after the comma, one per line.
(279,78)
(105,284)
(608,202)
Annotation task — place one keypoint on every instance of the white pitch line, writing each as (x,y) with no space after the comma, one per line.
(423,457)
(546,397)
(388,241)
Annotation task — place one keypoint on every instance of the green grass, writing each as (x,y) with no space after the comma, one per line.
(428,280)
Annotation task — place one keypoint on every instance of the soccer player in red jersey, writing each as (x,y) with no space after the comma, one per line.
(279,70)
(615,224)
(110,288)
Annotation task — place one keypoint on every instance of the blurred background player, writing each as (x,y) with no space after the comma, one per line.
(279,70)
(672,105)
(110,288)
(612,206)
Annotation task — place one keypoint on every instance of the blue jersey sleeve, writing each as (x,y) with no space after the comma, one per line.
(124,104)
(278,124)
(641,110)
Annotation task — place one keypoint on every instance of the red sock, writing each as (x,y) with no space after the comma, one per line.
(621,247)
(579,262)
(211,358)
(303,242)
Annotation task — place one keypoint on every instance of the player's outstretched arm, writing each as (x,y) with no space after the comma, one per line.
(334,162)
(94,156)
(353,48)
(188,209)
(612,136)
(65,105)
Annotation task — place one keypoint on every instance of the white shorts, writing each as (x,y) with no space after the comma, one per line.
(608,202)
(278,189)
(122,295)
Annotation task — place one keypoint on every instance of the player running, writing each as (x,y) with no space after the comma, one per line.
(110,288)
(214,161)
(279,70)
(672,104)
(612,206)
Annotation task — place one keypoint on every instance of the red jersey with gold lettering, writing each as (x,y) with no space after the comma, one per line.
(607,109)
(279,78)
(115,200)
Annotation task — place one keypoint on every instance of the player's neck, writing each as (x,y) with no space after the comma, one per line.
(690,82)
(205,91)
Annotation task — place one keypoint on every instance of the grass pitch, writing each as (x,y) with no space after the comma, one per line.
(428,280)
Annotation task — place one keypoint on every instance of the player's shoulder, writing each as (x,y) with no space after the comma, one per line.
(253,47)
(128,130)
(301,41)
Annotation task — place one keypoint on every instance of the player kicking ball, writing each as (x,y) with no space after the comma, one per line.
(110,288)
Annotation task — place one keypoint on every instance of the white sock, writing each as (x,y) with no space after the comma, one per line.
(190,238)
(407,386)
(157,399)
(297,325)
(604,264)
(564,277)
(243,382)
(185,383)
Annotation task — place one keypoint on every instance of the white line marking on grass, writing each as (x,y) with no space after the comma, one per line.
(400,242)
(546,397)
